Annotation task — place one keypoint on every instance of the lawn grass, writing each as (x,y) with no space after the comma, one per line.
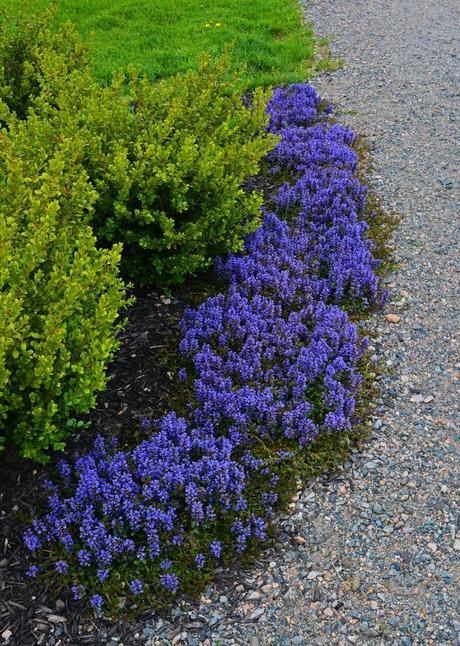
(167,36)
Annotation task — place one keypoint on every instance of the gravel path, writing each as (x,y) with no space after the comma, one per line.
(372,556)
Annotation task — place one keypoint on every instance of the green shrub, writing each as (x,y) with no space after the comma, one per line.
(168,161)
(59,294)
(23,42)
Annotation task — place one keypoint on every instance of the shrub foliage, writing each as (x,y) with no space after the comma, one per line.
(24,42)
(168,159)
(59,294)
(158,167)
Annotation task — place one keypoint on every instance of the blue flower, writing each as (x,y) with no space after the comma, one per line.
(216,549)
(170,582)
(165,564)
(136,587)
(61,566)
(96,601)
(77,592)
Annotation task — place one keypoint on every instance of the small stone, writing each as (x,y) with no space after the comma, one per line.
(393,318)
(316,596)
(300,540)
(433,547)
(258,612)
(246,607)
(328,612)
(56,619)
(313,574)
(457,545)
(355,583)
(6,634)
(370,466)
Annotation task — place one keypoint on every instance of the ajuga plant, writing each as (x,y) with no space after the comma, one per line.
(59,294)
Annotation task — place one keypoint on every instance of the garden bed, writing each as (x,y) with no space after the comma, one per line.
(140,385)
(224,392)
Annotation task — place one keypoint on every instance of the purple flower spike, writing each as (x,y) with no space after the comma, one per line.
(216,549)
(136,587)
(170,582)
(62,567)
(96,601)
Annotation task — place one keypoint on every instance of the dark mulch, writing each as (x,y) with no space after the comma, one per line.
(140,385)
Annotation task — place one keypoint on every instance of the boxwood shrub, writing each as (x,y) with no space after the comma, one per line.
(168,159)
(23,42)
(59,293)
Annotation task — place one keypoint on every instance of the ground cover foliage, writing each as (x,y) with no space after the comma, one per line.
(270,36)
(272,365)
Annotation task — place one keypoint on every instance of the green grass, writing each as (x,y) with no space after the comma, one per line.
(167,36)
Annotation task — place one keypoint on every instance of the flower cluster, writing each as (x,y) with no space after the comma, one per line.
(273,360)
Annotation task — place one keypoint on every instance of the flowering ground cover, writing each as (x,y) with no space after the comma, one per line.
(270,364)
(164,37)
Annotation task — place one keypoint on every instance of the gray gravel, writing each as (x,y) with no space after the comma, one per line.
(372,554)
